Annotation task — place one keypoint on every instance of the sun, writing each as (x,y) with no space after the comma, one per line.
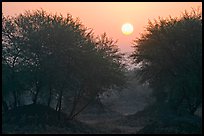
(127,28)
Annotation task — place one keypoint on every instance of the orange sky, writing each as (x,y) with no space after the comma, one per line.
(108,16)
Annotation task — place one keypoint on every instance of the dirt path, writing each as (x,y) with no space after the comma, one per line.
(110,125)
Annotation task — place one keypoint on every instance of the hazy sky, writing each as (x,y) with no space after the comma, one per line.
(108,16)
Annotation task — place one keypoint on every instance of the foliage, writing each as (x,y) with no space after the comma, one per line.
(57,59)
(170,53)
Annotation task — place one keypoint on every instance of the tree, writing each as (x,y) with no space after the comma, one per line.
(170,54)
(13,62)
(105,70)
(62,61)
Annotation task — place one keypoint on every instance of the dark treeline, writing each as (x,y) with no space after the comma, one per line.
(170,55)
(170,58)
(57,62)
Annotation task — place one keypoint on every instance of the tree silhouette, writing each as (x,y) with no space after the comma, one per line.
(170,53)
(60,60)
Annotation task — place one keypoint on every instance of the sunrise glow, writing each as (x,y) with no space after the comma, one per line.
(127,29)
(108,16)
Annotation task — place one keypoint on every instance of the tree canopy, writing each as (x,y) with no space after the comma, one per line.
(51,57)
(170,54)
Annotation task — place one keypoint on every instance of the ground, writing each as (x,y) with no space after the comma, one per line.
(42,119)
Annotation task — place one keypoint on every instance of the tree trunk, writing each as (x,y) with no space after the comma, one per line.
(35,97)
(15,99)
(57,105)
(37,92)
(60,104)
(79,111)
(73,107)
(5,106)
(75,102)
(18,99)
(84,107)
(49,99)
(14,91)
